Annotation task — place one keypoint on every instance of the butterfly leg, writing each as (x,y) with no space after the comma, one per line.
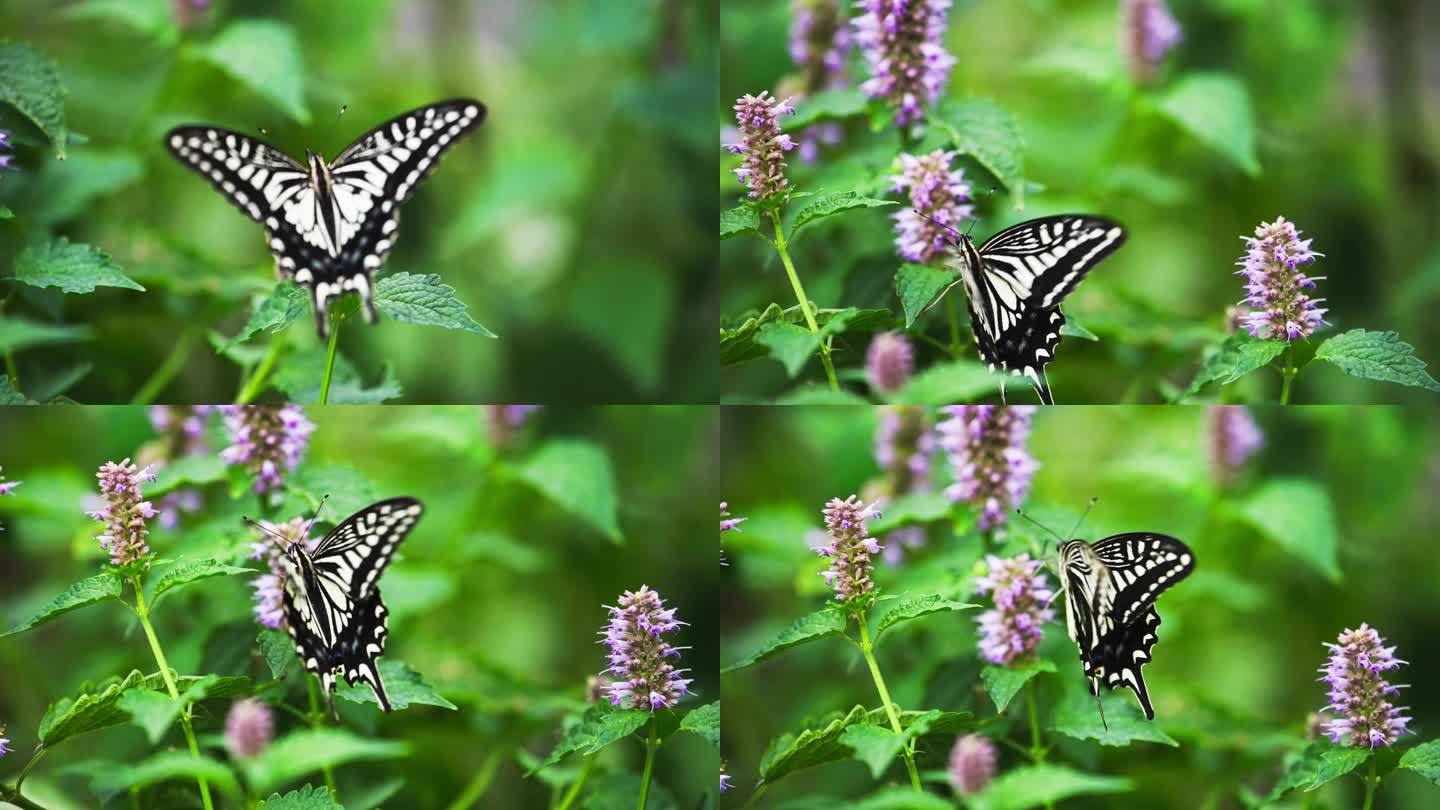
(320,296)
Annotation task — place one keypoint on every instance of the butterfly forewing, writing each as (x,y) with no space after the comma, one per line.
(1142,566)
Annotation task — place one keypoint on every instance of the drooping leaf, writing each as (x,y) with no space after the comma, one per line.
(1215,109)
(306,798)
(86,592)
(738,345)
(309,750)
(32,86)
(878,746)
(302,373)
(1037,785)
(600,725)
(828,205)
(1003,683)
(18,334)
(97,706)
(987,132)
(155,711)
(263,55)
(187,572)
(794,345)
(403,686)
(426,301)
(1424,759)
(705,721)
(278,651)
(285,304)
(74,268)
(817,625)
(918,285)
(914,608)
(1335,763)
(794,752)
(1072,329)
(1380,356)
(1237,356)
(1298,516)
(577,476)
(740,220)
(164,767)
(1077,716)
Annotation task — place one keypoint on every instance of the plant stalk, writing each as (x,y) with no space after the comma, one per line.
(804,300)
(167,370)
(650,745)
(317,719)
(1288,375)
(480,783)
(574,792)
(954,325)
(330,357)
(866,649)
(40,752)
(1037,751)
(256,383)
(1371,782)
(755,797)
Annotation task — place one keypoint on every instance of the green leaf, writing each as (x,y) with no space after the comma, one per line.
(1098,66)
(65,189)
(910,609)
(74,268)
(307,751)
(97,708)
(194,571)
(306,798)
(1299,770)
(32,86)
(403,686)
(576,476)
(617,791)
(6,213)
(737,344)
(8,394)
(1215,109)
(1237,356)
(828,205)
(793,345)
(1380,356)
(278,651)
(878,746)
(794,752)
(154,711)
(909,510)
(185,472)
(1424,759)
(164,767)
(1004,683)
(918,286)
(985,131)
(285,305)
(424,300)
(1037,785)
(826,105)
(639,345)
(300,377)
(949,383)
(1297,515)
(1071,329)
(705,721)
(740,220)
(18,334)
(1335,763)
(600,725)
(83,593)
(264,56)
(348,488)
(1077,716)
(818,625)
(153,18)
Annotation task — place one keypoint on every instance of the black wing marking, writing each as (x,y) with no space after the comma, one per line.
(1142,566)
(363,645)
(1120,656)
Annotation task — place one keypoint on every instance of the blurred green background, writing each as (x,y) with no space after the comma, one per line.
(495,598)
(1339,99)
(572,223)
(1234,675)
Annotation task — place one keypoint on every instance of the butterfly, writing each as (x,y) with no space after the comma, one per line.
(329,225)
(1110,590)
(1014,284)
(333,608)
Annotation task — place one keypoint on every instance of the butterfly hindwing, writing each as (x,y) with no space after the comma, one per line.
(1120,655)
(1142,566)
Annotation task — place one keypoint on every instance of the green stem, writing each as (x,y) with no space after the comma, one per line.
(781,248)
(167,370)
(954,325)
(755,797)
(570,795)
(40,752)
(12,796)
(330,357)
(144,613)
(1037,750)
(650,745)
(1371,782)
(256,383)
(867,649)
(1288,374)
(317,719)
(480,783)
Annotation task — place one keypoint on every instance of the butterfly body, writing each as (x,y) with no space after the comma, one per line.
(1110,592)
(1014,284)
(333,608)
(329,224)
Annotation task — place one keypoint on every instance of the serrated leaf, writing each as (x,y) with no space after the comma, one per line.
(817,625)
(828,205)
(306,798)
(914,608)
(1076,716)
(300,377)
(878,746)
(737,344)
(948,384)
(426,301)
(164,767)
(1380,356)
(154,711)
(1298,516)
(348,488)
(909,510)
(18,334)
(1037,785)
(186,471)
(96,707)
(1004,683)
(918,285)
(278,651)
(793,345)
(82,594)
(403,686)
(739,221)
(1335,763)
(1215,109)
(794,752)
(264,56)
(1299,770)
(577,476)
(32,86)
(188,572)
(285,305)
(1237,356)
(705,721)
(309,750)
(600,725)
(8,394)
(1424,759)
(74,268)
(987,132)
(826,105)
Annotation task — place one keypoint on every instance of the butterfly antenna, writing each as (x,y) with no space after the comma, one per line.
(318,506)
(974,220)
(1081,521)
(336,122)
(283,540)
(1041,525)
(941,224)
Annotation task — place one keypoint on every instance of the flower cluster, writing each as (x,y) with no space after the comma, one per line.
(639,655)
(1234,438)
(1359,693)
(939,200)
(1276,286)
(889,362)
(986,447)
(1149,31)
(762,145)
(1017,623)
(503,422)
(725,778)
(972,764)
(904,444)
(850,549)
(268,441)
(819,40)
(903,45)
(249,728)
(182,433)
(270,588)
(727,524)
(124,511)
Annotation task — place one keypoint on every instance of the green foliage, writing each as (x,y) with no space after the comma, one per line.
(599,727)
(308,751)
(1424,759)
(829,205)
(704,721)
(815,746)
(1297,515)
(285,305)
(164,767)
(1379,356)
(1038,785)
(918,286)
(265,57)
(403,686)
(1215,109)
(424,300)
(915,608)
(793,345)
(278,651)
(1003,683)
(740,344)
(1078,717)
(306,798)
(577,477)
(739,221)
(84,593)
(985,131)
(817,625)
(156,711)
(187,471)
(949,383)
(32,86)
(1237,356)
(186,573)
(827,105)
(299,379)
(20,333)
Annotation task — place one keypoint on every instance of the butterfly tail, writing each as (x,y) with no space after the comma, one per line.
(1042,387)
(378,684)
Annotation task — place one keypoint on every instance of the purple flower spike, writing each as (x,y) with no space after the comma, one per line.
(182,433)
(904,444)
(762,145)
(972,764)
(937,192)
(727,523)
(268,441)
(903,42)
(1149,31)
(889,362)
(1276,286)
(249,728)
(725,778)
(124,511)
(1021,592)
(992,468)
(640,655)
(1234,438)
(7,487)
(820,38)
(1360,694)
(850,549)
(270,588)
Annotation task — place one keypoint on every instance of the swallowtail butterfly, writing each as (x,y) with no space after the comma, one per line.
(333,608)
(329,225)
(1014,284)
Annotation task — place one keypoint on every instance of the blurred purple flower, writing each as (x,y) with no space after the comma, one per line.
(725,778)
(972,764)
(504,422)
(7,487)
(597,687)
(903,42)
(889,362)
(189,13)
(268,441)
(1149,31)
(5,742)
(645,678)
(249,728)
(937,192)
(1276,286)
(1359,693)
(270,588)
(762,145)
(992,468)
(5,146)
(182,434)
(1017,623)
(1234,438)
(727,523)
(124,511)
(820,37)
(904,444)
(850,549)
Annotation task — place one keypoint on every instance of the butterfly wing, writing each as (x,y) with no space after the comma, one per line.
(1142,566)
(1121,654)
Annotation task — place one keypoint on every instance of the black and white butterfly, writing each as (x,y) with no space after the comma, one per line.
(1014,284)
(333,608)
(1110,590)
(329,225)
